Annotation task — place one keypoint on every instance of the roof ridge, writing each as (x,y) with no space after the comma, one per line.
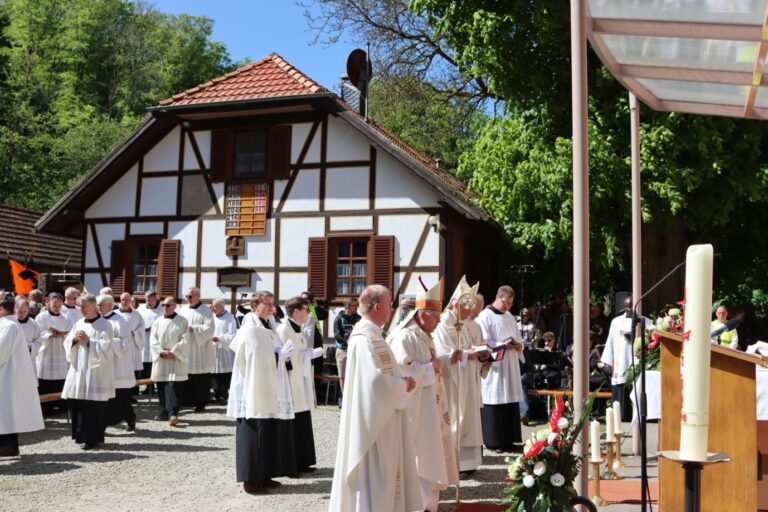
(19,208)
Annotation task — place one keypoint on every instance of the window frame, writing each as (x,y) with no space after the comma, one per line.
(230,178)
(130,244)
(333,261)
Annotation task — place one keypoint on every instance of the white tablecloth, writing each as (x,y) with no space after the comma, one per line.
(653,390)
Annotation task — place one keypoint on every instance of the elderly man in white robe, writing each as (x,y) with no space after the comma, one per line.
(149,311)
(502,387)
(70,309)
(90,380)
(301,378)
(202,352)
(120,408)
(51,358)
(375,465)
(264,441)
(169,360)
(29,327)
(427,423)
(455,343)
(20,406)
(225,329)
(136,329)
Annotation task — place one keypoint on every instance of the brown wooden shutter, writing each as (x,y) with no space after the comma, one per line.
(279,152)
(222,155)
(168,268)
(381,257)
(117,270)
(318,267)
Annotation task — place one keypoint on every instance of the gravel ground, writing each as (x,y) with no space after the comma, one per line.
(192,466)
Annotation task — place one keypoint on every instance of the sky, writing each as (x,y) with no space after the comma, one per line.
(256,28)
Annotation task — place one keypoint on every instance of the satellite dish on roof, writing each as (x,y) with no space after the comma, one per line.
(359,69)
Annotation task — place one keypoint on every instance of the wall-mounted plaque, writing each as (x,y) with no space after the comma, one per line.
(235,246)
(234,277)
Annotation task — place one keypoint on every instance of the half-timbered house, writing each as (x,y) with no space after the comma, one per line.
(263,179)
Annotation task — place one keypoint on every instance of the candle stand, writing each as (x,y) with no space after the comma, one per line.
(693,475)
(609,474)
(598,500)
(618,463)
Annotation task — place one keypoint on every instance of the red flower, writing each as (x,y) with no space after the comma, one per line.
(557,413)
(535,449)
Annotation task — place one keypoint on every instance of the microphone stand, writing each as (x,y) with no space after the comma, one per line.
(642,403)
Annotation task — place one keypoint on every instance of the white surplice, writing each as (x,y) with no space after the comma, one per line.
(167,334)
(201,350)
(375,466)
(72,313)
(149,315)
(91,374)
(122,348)
(20,405)
(617,352)
(225,329)
(301,377)
(503,384)
(138,335)
(462,385)
(31,330)
(52,358)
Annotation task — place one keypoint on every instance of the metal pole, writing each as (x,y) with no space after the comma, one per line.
(580,226)
(637,283)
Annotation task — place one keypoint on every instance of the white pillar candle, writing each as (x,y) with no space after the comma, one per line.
(610,433)
(594,440)
(617,417)
(694,417)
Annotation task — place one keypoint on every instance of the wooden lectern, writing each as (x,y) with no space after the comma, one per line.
(732,429)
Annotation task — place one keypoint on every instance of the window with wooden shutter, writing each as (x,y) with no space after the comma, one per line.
(279,152)
(168,268)
(222,155)
(318,267)
(117,267)
(381,250)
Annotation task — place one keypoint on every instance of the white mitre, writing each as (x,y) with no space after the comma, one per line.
(464,294)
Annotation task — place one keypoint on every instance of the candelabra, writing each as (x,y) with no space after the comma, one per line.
(598,500)
(610,474)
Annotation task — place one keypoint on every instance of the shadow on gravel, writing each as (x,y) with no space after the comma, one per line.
(194,422)
(52,463)
(164,434)
(163,447)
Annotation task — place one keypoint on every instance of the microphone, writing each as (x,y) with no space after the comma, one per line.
(731,325)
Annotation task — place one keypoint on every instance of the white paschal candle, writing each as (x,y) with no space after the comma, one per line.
(610,433)
(694,417)
(594,440)
(617,417)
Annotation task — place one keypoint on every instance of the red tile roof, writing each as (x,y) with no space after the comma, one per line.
(19,238)
(269,77)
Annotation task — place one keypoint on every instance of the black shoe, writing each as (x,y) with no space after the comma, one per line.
(134,401)
(526,421)
(161,417)
(200,408)
(9,451)
(131,425)
(272,484)
(308,469)
(464,475)
(91,446)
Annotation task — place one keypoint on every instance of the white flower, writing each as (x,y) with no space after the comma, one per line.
(528,481)
(540,468)
(563,423)
(552,438)
(557,480)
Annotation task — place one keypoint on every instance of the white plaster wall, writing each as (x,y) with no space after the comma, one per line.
(277,192)
(304,195)
(158,196)
(218,190)
(430,280)
(294,234)
(362,223)
(398,187)
(292,284)
(209,289)
(186,280)
(119,200)
(299,134)
(407,230)
(164,156)
(187,233)
(260,281)
(90,251)
(203,140)
(92,283)
(430,254)
(146,228)
(214,253)
(260,250)
(345,142)
(106,234)
(346,189)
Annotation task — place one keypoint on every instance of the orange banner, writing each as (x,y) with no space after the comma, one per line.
(24,279)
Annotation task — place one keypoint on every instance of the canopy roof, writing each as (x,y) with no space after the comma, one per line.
(695,56)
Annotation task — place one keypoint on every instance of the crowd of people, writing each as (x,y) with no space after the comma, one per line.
(426,388)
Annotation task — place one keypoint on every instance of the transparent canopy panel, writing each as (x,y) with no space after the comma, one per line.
(738,12)
(696,92)
(762,97)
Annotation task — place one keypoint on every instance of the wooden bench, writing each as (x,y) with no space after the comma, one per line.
(329,380)
(549,393)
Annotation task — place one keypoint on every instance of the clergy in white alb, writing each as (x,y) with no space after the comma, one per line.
(20,406)
(149,312)
(502,386)
(169,360)
(461,374)
(69,308)
(225,329)
(301,378)
(90,380)
(427,425)
(51,358)
(30,328)
(136,330)
(202,353)
(120,408)
(375,466)
(264,442)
